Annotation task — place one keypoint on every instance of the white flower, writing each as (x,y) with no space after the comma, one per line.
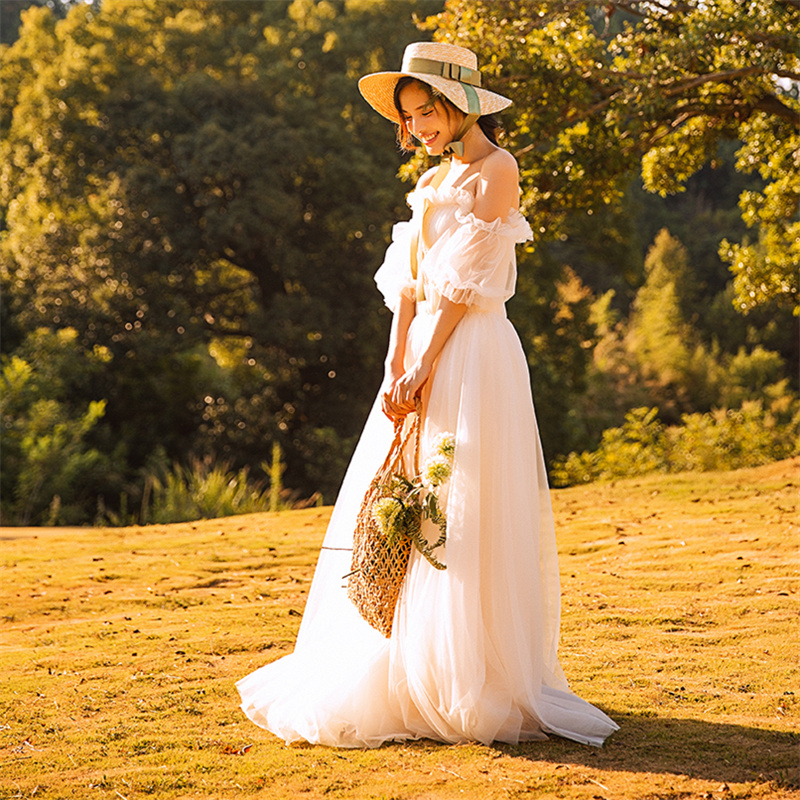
(385,513)
(445,444)
(435,471)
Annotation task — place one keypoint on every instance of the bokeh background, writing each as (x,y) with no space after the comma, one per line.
(194,199)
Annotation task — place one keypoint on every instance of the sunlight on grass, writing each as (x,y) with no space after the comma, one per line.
(120,649)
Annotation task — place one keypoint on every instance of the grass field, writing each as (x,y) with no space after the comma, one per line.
(120,649)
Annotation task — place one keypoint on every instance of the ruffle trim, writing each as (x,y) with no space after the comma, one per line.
(441,197)
(514,225)
(448,284)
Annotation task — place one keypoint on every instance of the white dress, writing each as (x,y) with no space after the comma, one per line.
(472,656)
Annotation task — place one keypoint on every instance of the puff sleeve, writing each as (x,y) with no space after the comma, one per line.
(474,262)
(393,278)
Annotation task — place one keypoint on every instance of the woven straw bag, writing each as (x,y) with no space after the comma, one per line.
(379,564)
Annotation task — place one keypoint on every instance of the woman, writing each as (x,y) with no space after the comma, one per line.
(472,655)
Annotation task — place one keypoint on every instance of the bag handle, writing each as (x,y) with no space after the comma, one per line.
(400,442)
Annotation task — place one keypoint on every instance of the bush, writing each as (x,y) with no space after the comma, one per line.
(204,490)
(732,438)
(50,470)
(722,439)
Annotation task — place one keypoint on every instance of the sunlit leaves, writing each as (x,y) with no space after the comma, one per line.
(176,173)
(657,87)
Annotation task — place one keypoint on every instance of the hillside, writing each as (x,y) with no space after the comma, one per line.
(120,649)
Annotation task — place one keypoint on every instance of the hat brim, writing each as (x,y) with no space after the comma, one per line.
(378,91)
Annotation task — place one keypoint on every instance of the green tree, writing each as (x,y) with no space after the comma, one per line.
(551,310)
(659,334)
(659,355)
(54,461)
(192,184)
(603,89)
(11,13)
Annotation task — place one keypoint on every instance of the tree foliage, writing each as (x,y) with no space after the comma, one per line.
(603,89)
(194,199)
(11,14)
(55,460)
(660,335)
(724,439)
(660,355)
(198,187)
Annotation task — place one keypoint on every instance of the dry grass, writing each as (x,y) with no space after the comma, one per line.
(120,649)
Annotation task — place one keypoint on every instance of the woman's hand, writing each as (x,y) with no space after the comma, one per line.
(388,406)
(392,409)
(401,399)
(397,398)
(399,390)
(395,358)
(394,372)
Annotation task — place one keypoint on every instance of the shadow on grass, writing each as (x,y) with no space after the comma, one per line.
(700,749)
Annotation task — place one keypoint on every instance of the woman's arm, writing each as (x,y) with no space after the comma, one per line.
(447,316)
(498,187)
(395,357)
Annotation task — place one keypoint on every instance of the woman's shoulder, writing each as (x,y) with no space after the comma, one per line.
(501,165)
(498,187)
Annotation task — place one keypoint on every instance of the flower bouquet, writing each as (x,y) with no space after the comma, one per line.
(409,502)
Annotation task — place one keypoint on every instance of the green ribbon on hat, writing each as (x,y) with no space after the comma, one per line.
(453,72)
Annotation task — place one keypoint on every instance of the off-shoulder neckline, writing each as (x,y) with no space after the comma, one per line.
(465,201)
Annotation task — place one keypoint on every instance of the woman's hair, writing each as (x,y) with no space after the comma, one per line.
(487,123)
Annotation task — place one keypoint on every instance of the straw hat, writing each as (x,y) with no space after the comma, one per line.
(451,69)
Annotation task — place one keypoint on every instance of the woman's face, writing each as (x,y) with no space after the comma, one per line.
(428,120)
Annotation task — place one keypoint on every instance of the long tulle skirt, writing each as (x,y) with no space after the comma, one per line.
(473,652)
